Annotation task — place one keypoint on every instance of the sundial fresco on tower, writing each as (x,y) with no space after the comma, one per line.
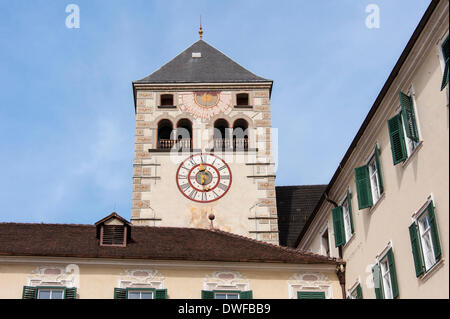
(206,104)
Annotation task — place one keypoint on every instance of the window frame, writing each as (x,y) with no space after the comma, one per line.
(311,292)
(322,233)
(383,260)
(385,272)
(352,293)
(141,290)
(349,230)
(425,215)
(374,191)
(51,288)
(227,292)
(249,100)
(410,145)
(416,217)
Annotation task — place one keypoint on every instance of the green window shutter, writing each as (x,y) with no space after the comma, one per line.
(446,54)
(246,294)
(338,224)
(350,210)
(206,294)
(434,232)
(310,295)
(399,153)
(380,173)
(359,292)
(161,294)
(376,273)
(29,292)
(446,74)
(120,293)
(363,187)
(416,249)
(70,293)
(393,272)
(409,117)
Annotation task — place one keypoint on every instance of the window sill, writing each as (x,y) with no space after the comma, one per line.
(432,270)
(412,155)
(348,241)
(230,150)
(374,207)
(165,107)
(160,150)
(243,106)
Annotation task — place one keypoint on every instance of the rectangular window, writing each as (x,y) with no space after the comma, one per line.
(403,130)
(226,295)
(385,277)
(325,243)
(374,180)
(347,220)
(369,181)
(220,294)
(356,293)
(50,293)
(425,243)
(343,221)
(311,295)
(140,294)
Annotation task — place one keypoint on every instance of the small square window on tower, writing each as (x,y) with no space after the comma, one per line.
(242,99)
(167,100)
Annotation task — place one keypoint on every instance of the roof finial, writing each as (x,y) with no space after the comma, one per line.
(200,32)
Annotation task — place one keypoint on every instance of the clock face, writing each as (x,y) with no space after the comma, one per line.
(204,178)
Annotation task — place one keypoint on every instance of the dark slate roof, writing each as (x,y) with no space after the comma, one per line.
(212,67)
(152,243)
(294,205)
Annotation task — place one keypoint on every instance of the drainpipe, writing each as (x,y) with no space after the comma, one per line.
(340,271)
(330,201)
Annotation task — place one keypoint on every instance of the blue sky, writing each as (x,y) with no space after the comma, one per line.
(66,103)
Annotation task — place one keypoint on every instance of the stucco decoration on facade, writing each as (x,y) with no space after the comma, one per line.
(226,280)
(309,282)
(141,278)
(65,276)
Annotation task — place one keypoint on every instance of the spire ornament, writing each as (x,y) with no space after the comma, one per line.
(200,32)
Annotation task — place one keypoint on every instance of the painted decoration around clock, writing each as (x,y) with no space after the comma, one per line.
(204,178)
(206,104)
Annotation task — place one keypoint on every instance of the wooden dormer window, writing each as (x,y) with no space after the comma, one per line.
(113,235)
(113,230)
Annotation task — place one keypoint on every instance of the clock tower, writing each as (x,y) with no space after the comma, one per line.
(203,147)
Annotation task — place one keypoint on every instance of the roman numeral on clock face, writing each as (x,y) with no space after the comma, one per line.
(193,194)
(184,187)
(223,187)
